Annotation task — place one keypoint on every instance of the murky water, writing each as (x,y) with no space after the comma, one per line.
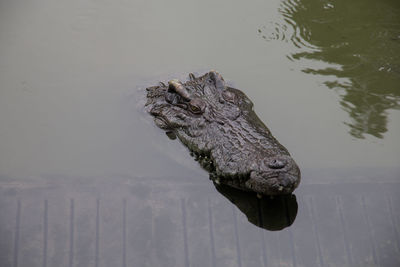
(323,75)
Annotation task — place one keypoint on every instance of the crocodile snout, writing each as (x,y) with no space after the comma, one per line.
(276,175)
(272,183)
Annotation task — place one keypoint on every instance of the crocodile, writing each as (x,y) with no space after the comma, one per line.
(218,125)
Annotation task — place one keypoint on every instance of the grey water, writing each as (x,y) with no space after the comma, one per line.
(87,179)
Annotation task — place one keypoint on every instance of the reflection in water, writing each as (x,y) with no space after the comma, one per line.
(360,40)
(269,213)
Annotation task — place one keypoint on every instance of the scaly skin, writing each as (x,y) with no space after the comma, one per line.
(218,124)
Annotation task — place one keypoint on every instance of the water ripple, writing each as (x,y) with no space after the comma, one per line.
(358,42)
(287,29)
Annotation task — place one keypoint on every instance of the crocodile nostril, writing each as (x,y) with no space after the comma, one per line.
(277,164)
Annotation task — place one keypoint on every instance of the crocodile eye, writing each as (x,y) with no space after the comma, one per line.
(197,106)
(195,109)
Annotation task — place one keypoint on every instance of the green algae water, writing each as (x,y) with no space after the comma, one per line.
(324,76)
(360,43)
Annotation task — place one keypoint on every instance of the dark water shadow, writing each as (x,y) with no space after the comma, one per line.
(358,43)
(272,214)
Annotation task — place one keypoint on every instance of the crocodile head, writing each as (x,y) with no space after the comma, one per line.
(217,123)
